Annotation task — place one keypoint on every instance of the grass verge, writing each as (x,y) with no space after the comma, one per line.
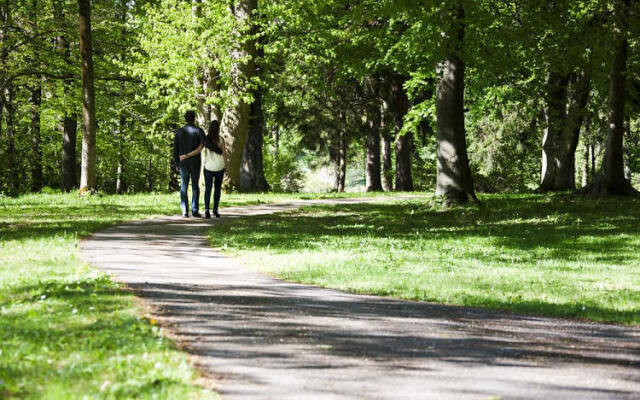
(547,255)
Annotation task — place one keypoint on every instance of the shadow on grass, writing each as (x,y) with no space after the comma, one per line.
(518,232)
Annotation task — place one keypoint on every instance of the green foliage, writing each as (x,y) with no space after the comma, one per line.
(282,170)
(546,255)
(504,143)
(325,64)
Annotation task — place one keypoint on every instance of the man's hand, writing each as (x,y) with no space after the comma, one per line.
(183,157)
(177,169)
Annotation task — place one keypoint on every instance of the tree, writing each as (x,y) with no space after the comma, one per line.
(252,177)
(373,182)
(613,179)
(454,180)
(235,120)
(404,139)
(88,176)
(69,121)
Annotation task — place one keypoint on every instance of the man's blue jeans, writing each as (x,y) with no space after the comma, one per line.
(189,172)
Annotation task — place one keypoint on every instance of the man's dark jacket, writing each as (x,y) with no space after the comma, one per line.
(186,140)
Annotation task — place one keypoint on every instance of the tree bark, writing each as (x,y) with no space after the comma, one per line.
(88,178)
(7,94)
(150,174)
(36,139)
(69,132)
(581,88)
(69,121)
(235,121)
(252,177)
(404,142)
(453,180)
(585,166)
(372,172)
(120,168)
(613,180)
(563,129)
(387,138)
(341,162)
(555,143)
(627,154)
(13,178)
(614,155)
(252,174)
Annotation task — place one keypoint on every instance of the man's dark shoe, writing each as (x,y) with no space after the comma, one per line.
(185,215)
(216,214)
(196,215)
(207,214)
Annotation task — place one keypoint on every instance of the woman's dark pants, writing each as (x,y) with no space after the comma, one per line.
(212,179)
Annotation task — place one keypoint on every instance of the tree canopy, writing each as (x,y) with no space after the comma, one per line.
(456,96)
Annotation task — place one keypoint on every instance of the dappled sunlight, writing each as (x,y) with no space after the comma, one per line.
(542,254)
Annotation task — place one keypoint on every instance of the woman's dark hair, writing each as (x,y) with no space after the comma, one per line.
(212,141)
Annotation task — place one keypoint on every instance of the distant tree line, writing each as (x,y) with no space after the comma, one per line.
(455,96)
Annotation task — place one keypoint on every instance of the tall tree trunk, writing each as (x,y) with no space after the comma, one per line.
(36,139)
(563,129)
(555,142)
(614,155)
(341,161)
(119,172)
(122,123)
(581,88)
(596,149)
(404,142)
(88,171)
(585,166)
(69,121)
(276,144)
(372,172)
(454,180)
(7,93)
(252,174)
(120,168)
(150,174)
(13,179)
(235,121)
(252,177)
(387,139)
(613,180)
(627,153)
(69,132)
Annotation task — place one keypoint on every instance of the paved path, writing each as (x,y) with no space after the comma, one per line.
(266,339)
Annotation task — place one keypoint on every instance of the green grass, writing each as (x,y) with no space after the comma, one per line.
(66,330)
(546,255)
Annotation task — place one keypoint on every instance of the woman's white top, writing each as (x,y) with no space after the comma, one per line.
(212,161)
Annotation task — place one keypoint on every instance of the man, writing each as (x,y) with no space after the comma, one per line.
(187,145)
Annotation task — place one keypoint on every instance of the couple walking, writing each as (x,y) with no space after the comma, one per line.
(188,143)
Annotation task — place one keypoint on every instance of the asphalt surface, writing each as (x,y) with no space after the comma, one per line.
(260,338)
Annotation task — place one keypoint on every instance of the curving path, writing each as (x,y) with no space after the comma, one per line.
(261,338)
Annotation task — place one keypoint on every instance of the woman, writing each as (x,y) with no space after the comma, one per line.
(213,163)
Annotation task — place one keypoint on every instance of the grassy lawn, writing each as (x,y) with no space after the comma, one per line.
(66,330)
(546,255)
